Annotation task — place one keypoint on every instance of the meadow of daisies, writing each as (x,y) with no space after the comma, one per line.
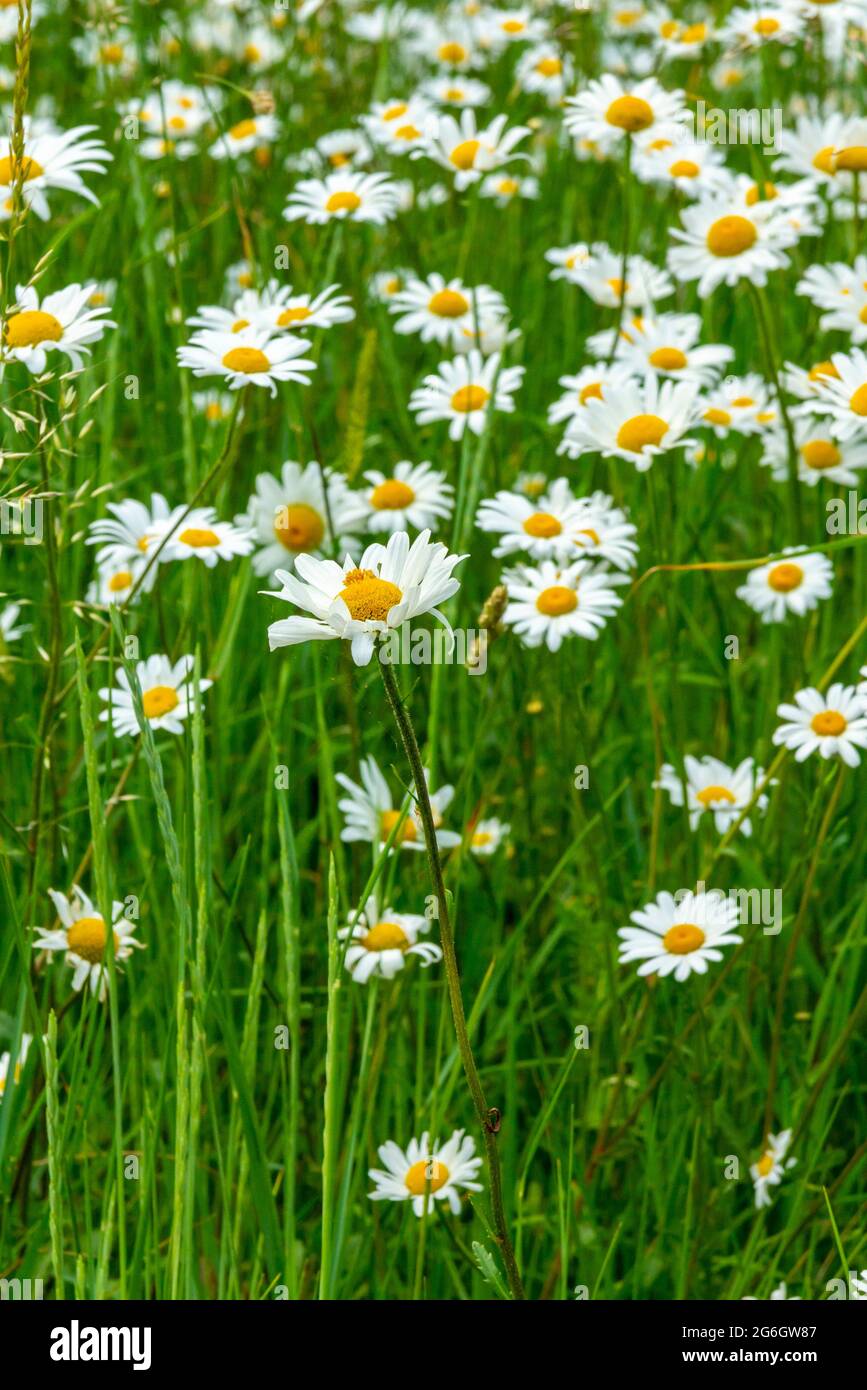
(433,649)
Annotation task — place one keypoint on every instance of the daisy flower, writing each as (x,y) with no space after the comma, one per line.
(694,168)
(605,533)
(566,259)
(740,403)
(385,284)
(51,159)
(640,423)
(214,406)
(506,188)
(722,242)
(679,935)
(391,585)
(545,528)
(668,346)
(10,628)
(426,1173)
(833,724)
(486,836)
(304,311)
(547,604)
(440,311)
(591,383)
(788,586)
(763,24)
(121,583)
(167,696)
(607,111)
(371,815)
(82,937)
(125,537)
(714,788)
(345,195)
(20,1061)
(410,494)
(777,1295)
(396,125)
(252,357)
(463,391)
(546,70)
(246,136)
(841,394)
(819,455)
(63,322)
(601,277)
(467,151)
(769,1170)
(202,535)
(381,941)
(841,290)
(456,91)
(290,515)
(807,147)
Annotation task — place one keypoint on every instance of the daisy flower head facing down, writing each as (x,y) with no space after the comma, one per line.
(794,585)
(303,511)
(82,937)
(345,195)
(250,357)
(467,151)
(714,788)
(167,696)
(464,390)
(63,322)
(834,725)
(410,494)
(639,423)
(371,815)
(381,942)
(769,1170)
(361,602)
(678,934)
(547,604)
(609,111)
(425,1173)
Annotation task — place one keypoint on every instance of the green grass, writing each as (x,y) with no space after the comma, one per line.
(235,1058)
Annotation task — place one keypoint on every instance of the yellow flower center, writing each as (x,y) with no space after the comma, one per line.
(119,581)
(246,360)
(243,130)
(684,169)
(828,723)
(508,187)
(482,838)
(463,156)
(730,236)
(858,401)
(743,402)
(391,496)
(765,27)
(177,123)
(853,159)
(592,536)
(32,326)
(9,167)
(709,794)
(448,304)
(823,369)
(87,937)
(765,1165)
(682,940)
(393,112)
(407,132)
(549,67)
(668,359)
(786,577)
(542,525)
(820,453)
(346,201)
(620,288)
(641,432)
(452,53)
(251,53)
(299,527)
(239,324)
(385,936)
(199,537)
(754,194)
(159,700)
(111,54)
(428,1175)
(296,315)
(824,160)
(714,416)
(630,113)
(557,601)
(469,398)
(337,160)
(389,820)
(513,26)
(454,94)
(591,392)
(368,598)
(693,33)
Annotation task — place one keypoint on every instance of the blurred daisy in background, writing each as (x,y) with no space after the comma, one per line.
(722,241)
(768,1172)
(440,310)
(794,585)
(345,196)
(82,937)
(819,454)
(245,137)
(167,696)
(679,937)
(468,151)
(714,788)
(426,1173)
(409,495)
(486,836)
(290,514)
(371,815)
(198,533)
(52,159)
(381,942)
(10,628)
(608,110)
(20,1061)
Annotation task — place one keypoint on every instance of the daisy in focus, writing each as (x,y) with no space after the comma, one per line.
(464,390)
(381,942)
(714,788)
(722,242)
(63,322)
(795,585)
(608,111)
(409,495)
(443,311)
(680,935)
(427,1173)
(167,696)
(549,603)
(82,937)
(390,585)
(769,1170)
(638,424)
(199,533)
(545,529)
(371,814)
(291,514)
(252,357)
(834,725)
(346,196)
